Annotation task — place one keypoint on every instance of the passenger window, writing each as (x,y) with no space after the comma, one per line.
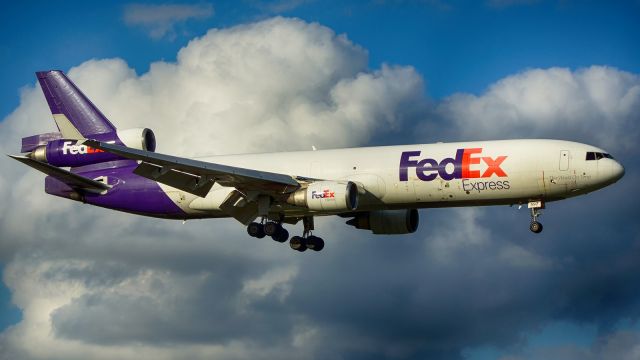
(591,155)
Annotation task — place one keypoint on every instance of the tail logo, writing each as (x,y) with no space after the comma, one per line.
(70,148)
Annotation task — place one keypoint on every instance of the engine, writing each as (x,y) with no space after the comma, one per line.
(141,139)
(327,196)
(387,222)
(65,152)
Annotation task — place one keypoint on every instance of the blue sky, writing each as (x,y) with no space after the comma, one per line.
(456,46)
(459,46)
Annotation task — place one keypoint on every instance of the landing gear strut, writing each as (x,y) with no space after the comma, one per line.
(535,206)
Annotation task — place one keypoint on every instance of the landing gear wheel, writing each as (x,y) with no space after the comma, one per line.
(315,243)
(281,236)
(271,228)
(256,230)
(535,227)
(298,243)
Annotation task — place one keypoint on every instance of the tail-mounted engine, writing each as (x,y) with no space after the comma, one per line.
(327,196)
(387,222)
(59,152)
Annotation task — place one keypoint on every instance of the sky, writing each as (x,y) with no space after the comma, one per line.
(253,76)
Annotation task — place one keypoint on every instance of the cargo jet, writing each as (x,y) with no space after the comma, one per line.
(375,188)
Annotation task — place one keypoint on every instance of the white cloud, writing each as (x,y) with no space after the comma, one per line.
(90,282)
(596,104)
(160,20)
(99,284)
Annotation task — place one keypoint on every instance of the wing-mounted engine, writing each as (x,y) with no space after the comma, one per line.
(56,151)
(326,196)
(387,222)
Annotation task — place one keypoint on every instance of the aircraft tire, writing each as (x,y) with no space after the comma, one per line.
(272,228)
(256,230)
(281,236)
(298,243)
(315,243)
(535,227)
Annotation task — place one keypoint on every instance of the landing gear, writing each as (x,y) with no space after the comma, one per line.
(256,230)
(278,233)
(307,241)
(535,206)
(298,243)
(315,243)
(535,227)
(271,228)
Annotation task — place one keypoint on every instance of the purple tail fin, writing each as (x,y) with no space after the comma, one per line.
(74,113)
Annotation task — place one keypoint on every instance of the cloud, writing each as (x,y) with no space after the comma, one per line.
(597,104)
(160,20)
(100,284)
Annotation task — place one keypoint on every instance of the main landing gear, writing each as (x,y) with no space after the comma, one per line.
(280,234)
(272,229)
(535,206)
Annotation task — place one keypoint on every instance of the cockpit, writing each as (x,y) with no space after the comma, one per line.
(591,155)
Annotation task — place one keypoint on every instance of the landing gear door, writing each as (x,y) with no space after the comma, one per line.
(564,160)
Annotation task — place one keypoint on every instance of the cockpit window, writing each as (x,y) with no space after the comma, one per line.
(591,155)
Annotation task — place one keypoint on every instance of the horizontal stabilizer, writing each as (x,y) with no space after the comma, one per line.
(30,143)
(73,180)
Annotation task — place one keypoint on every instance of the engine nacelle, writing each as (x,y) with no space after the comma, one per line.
(65,152)
(138,138)
(387,222)
(327,196)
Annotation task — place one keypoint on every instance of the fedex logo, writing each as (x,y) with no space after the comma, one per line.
(69,147)
(466,165)
(323,195)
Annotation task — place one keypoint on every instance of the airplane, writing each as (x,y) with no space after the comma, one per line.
(375,188)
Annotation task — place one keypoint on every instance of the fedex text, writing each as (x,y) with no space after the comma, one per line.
(465,165)
(68,147)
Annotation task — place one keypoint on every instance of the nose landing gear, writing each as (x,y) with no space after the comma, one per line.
(535,206)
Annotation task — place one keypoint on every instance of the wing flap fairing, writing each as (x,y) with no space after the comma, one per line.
(193,184)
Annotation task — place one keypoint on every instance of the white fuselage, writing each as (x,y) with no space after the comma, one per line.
(431,175)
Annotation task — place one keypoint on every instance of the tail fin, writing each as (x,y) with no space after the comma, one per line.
(74,114)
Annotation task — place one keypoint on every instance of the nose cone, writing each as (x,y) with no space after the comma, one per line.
(617,171)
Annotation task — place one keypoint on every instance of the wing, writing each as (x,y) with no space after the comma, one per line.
(73,180)
(197,177)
